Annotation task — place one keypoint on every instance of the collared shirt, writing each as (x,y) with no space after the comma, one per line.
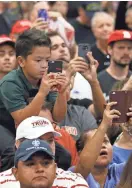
(64,179)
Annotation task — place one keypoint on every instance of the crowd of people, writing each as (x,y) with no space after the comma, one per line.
(57,128)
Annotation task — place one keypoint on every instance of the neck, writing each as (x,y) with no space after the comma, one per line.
(2,75)
(100,174)
(125,141)
(117,72)
(102,46)
(33,81)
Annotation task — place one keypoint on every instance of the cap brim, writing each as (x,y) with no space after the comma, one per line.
(8,42)
(25,158)
(39,134)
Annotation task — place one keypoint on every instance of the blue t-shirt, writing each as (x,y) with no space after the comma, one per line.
(112,179)
(120,155)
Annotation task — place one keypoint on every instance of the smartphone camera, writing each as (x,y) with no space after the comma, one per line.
(85,48)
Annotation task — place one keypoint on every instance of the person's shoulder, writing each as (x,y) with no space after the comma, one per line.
(117,168)
(69,178)
(10,77)
(102,73)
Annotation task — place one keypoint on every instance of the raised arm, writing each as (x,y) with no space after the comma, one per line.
(93,146)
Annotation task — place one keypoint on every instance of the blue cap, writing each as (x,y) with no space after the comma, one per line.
(30,147)
(91,7)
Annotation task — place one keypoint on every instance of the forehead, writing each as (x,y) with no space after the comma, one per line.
(56,40)
(40,50)
(104,20)
(6,46)
(123,42)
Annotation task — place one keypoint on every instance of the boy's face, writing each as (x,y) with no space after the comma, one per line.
(36,63)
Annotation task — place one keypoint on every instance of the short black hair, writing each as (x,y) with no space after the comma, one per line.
(29,39)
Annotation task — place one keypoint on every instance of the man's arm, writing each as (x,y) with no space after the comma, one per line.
(60,107)
(92,147)
(97,108)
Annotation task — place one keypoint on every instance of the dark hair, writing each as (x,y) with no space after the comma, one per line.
(29,39)
(53,34)
(80,143)
(126,178)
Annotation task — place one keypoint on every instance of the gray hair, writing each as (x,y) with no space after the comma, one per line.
(100,15)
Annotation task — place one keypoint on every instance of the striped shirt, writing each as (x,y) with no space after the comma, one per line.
(64,179)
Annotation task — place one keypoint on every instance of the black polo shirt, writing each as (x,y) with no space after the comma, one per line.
(103,59)
(15,93)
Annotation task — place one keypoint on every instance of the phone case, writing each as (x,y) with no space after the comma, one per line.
(83,49)
(55,66)
(124,102)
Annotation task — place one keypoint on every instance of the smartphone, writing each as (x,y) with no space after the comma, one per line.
(55,66)
(83,49)
(124,102)
(42,13)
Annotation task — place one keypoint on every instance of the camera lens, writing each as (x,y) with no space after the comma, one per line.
(85,48)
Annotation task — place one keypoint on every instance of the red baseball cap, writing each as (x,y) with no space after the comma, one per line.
(118,35)
(5,39)
(20,26)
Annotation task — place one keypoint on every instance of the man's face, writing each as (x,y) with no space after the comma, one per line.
(59,50)
(105,156)
(103,28)
(7,58)
(36,64)
(39,171)
(121,53)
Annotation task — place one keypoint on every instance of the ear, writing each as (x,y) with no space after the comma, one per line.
(109,49)
(21,61)
(15,172)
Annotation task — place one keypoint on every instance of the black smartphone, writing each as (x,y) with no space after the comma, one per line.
(55,66)
(124,102)
(83,49)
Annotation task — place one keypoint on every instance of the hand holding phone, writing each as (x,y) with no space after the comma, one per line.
(83,49)
(124,102)
(42,13)
(55,66)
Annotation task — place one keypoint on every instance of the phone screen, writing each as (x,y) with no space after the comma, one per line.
(124,102)
(55,66)
(83,49)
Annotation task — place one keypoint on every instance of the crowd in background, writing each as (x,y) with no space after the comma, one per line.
(56,129)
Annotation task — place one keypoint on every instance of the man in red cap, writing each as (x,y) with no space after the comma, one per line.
(19,27)
(7,55)
(120,50)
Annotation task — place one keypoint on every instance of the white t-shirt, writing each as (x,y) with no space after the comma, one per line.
(65,179)
(81,88)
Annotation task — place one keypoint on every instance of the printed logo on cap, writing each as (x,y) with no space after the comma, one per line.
(36,143)
(126,34)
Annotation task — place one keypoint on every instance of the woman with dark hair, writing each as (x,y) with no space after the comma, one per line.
(126,178)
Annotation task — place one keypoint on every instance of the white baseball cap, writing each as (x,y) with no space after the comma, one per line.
(34,127)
